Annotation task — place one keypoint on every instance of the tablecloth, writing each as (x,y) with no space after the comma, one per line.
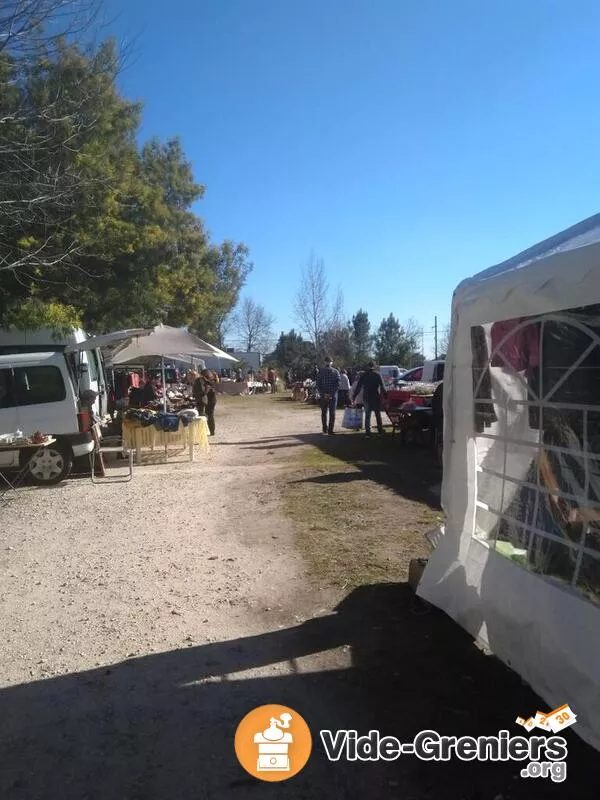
(195,434)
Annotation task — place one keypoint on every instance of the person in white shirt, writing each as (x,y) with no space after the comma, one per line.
(359,399)
(344,393)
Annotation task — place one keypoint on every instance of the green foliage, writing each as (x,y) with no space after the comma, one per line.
(35,314)
(339,345)
(393,345)
(416,359)
(292,351)
(361,336)
(114,243)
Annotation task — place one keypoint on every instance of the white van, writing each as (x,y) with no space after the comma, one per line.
(83,352)
(41,390)
(390,373)
(37,393)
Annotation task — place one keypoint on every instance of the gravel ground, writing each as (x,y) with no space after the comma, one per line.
(186,552)
(140,622)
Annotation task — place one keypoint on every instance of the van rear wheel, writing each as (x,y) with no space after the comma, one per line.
(50,465)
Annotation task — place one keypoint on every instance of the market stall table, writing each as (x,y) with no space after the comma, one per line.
(408,411)
(258,386)
(140,437)
(8,484)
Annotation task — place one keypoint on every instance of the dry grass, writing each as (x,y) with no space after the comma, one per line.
(352,528)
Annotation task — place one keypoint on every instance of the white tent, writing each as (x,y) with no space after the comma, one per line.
(164,341)
(518,564)
(168,342)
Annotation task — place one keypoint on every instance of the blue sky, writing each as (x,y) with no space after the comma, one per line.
(408,144)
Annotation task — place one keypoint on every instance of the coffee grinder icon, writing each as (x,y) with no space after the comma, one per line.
(273,745)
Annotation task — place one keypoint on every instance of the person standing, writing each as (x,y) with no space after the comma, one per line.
(205,395)
(344,400)
(149,391)
(328,386)
(373,390)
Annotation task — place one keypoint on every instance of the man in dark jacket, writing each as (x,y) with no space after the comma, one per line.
(373,390)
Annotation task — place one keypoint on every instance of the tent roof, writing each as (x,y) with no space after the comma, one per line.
(165,341)
(582,234)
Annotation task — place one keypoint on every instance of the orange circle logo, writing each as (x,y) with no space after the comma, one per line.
(273,743)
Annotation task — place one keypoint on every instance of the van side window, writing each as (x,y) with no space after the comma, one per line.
(6,393)
(33,385)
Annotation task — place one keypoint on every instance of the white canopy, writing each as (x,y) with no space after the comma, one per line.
(165,341)
(518,564)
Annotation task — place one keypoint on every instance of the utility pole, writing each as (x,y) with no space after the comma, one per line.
(436,337)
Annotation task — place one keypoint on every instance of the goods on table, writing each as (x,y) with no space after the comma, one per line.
(17,439)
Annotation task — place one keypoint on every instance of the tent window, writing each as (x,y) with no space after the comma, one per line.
(537,429)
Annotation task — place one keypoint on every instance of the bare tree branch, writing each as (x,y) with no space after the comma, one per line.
(42,130)
(337,316)
(254,326)
(27,25)
(311,305)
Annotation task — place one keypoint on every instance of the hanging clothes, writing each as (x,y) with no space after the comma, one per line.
(521,350)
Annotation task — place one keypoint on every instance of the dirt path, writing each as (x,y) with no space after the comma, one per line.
(141,621)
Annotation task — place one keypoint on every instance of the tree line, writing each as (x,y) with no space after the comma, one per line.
(96,229)
(324,329)
(352,344)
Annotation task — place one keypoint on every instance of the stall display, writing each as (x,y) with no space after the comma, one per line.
(409,411)
(145,429)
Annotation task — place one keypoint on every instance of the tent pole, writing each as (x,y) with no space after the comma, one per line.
(164,384)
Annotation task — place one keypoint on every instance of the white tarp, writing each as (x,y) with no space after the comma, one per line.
(518,564)
(166,341)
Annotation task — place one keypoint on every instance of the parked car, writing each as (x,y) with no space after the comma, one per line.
(412,375)
(391,374)
(431,372)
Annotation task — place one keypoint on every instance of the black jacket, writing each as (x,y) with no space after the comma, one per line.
(371,383)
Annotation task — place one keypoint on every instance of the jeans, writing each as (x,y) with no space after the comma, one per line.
(375,409)
(328,405)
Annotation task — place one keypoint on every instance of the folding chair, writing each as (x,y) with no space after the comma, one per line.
(110,446)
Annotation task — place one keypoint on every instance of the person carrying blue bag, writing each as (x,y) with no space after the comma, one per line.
(371,383)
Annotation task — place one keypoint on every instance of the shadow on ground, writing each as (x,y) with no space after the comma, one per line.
(161,727)
(410,470)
